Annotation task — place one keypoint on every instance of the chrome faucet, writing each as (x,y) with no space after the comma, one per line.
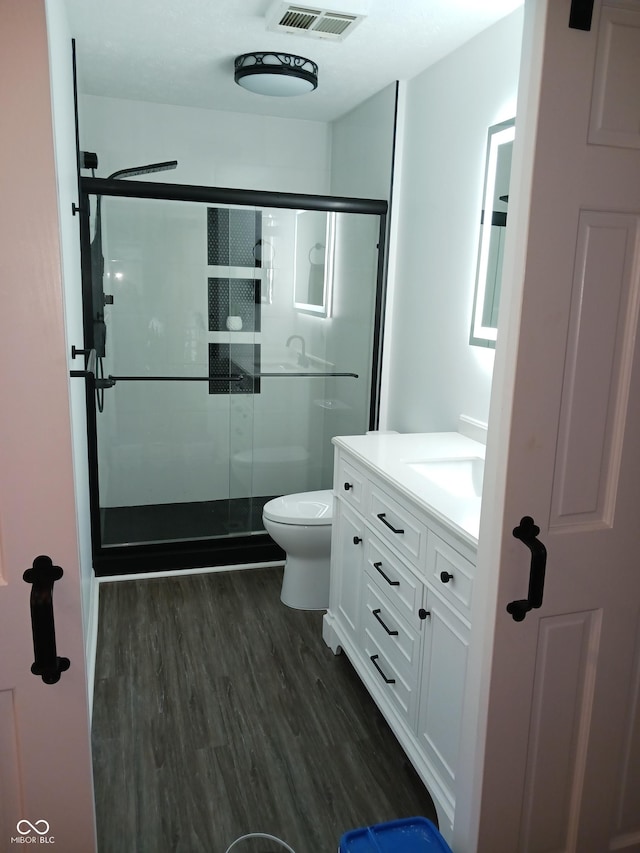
(303,361)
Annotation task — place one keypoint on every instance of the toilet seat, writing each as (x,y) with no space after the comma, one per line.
(304,508)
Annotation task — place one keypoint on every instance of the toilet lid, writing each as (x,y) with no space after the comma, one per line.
(302,508)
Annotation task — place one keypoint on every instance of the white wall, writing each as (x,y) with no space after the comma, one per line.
(362,148)
(212,148)
(61,75)
(434,375)
(361,167)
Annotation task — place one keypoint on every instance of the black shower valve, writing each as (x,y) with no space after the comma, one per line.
(88,160)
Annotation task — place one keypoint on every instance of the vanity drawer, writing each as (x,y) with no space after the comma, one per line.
(350,483)
(395,581)
(400,692)
(396,525)
(450,574)
(399,642)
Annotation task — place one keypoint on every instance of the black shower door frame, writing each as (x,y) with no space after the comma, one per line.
(250,548)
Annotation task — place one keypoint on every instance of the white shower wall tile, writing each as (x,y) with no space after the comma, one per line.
(206,144)
(168,454)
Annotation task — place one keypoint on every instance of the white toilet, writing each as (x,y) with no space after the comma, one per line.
(301,525)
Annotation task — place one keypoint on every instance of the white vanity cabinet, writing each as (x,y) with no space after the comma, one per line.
(401,589)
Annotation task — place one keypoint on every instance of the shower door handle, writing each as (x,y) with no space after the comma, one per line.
(42,577)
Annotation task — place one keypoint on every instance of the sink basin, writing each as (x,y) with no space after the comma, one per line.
(461,477)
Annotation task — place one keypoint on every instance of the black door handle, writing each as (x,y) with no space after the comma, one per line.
(42,577)
(527,532)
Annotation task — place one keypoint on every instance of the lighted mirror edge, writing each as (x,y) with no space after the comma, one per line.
(481,335)
(330,237)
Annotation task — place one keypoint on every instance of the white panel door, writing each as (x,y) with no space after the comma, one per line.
(562,750)
(46,793)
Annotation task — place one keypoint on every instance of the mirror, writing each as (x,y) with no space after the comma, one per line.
(493,226)
(313,261)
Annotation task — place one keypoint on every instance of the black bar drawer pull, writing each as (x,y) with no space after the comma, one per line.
(374,661)
(388,580)
(381,516)
(42,576)
(348,486)
(379,618)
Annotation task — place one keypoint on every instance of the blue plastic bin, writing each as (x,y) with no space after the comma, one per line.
(409,835)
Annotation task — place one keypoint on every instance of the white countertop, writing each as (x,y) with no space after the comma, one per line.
(388,455)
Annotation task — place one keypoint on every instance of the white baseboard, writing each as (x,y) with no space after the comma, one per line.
(92,641)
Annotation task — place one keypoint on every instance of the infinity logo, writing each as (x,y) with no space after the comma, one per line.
(32,827)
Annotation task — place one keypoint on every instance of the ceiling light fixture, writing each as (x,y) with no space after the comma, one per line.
(279,74)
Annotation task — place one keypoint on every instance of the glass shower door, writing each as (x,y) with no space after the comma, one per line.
(234,343)
(182,293)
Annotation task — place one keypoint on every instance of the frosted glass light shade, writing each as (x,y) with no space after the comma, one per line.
(277,74)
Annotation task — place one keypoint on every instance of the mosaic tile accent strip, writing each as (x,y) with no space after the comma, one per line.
(232,237)
(233,359)
(238,297)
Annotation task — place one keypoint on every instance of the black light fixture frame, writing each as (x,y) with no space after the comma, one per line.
(271,62)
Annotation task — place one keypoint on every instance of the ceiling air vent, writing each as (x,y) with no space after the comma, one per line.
(311,21)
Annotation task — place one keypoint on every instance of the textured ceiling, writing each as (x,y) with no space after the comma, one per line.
(182,51)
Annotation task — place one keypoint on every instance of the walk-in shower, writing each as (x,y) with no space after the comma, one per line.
(241,333)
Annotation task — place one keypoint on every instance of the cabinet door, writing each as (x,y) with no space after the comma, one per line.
(451,574)
(347,555)
(444,668)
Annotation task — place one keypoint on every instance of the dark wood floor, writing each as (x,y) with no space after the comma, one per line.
(218,711)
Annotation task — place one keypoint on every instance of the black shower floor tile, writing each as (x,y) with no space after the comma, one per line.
(122,525)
